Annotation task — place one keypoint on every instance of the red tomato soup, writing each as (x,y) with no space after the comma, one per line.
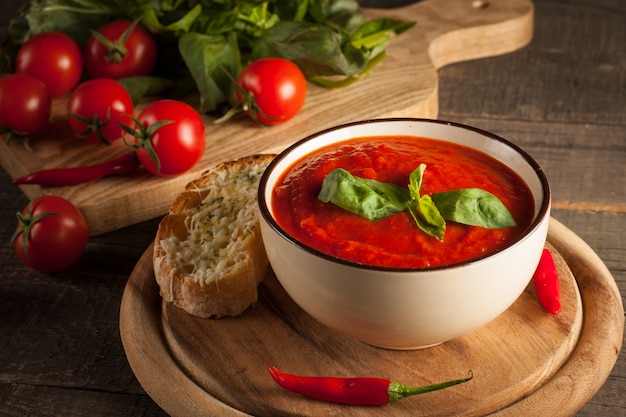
(396,241)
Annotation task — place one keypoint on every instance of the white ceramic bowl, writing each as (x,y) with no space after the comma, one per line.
(414,308)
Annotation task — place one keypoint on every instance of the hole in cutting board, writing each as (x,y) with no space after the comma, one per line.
(480,4)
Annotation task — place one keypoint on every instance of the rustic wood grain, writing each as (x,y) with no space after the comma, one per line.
(405,84)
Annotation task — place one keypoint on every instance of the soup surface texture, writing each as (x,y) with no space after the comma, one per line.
(396,241)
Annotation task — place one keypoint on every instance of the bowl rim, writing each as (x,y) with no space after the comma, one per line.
(263,204)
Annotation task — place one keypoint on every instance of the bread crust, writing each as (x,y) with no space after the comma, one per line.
(218,295)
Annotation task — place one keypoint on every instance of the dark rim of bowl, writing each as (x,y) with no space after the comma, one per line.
(265,212)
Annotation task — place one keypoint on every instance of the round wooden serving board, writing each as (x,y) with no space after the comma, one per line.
(525,362)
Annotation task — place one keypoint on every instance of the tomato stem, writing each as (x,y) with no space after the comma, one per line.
(94,125)
(143,134)
(246,104)
(26,221)
(116,51)
(12,134)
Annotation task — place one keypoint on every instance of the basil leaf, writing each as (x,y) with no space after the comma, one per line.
(376,34)
(423,209)
(139,86)
(415,181)
(317,50)
(208,57)
(166,16)
(293,10)
(474,207)
(183,25)
(75,20)
(427,217)
(367,198)
(344,14)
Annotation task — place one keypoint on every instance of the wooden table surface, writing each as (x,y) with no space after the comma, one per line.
(562,98)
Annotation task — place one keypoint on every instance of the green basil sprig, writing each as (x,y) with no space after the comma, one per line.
(375,200)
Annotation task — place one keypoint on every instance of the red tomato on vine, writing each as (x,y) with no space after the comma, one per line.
(25,104)
(54,58)
(120,49)
(51,234)
(96,107)
(272,90)
(169,137)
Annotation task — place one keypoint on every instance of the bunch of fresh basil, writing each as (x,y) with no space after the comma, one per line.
(375,200)
(203,44)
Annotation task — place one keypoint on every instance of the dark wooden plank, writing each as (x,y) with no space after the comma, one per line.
(571,72)
(21,400)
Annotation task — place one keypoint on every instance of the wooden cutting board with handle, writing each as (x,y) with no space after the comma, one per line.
(404,85)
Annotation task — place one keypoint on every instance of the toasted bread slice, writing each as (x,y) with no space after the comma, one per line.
(208,252)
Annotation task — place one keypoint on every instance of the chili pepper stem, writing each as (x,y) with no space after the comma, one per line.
(399,391)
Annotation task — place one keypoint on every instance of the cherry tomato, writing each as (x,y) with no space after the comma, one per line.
(120,49)
(24,104)
(170,139)
(276,90)
(54,58)
(51,234)
(96,107)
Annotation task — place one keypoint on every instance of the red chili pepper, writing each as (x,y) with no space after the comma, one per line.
(353,391)
(547,284)
(121,165)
